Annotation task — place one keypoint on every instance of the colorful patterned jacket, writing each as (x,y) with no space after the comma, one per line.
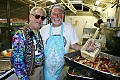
(23,56)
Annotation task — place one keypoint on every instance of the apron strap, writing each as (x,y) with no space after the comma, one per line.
(50,30)
(61,33)
(62,28)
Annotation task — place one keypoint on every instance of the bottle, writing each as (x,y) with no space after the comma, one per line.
(112,23)
(108,23)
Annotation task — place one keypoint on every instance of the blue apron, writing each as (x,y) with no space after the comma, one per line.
(54,55)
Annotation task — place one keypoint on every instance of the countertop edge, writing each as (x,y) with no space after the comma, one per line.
(7,74)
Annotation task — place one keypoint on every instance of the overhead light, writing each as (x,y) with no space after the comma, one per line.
(97,2)
(99,9)
(39,0)
(53,1)
(76,1)
(94,8)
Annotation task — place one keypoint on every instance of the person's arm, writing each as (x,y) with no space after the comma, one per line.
(74,39)
(18,46)
(76,47)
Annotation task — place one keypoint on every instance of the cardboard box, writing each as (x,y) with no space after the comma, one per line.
(91,49)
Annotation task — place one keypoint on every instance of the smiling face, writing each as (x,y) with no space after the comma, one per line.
(57,16)
(35,19)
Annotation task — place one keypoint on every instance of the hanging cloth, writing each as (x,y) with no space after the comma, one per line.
(54,55)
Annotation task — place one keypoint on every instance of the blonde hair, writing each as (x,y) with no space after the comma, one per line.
(32,11)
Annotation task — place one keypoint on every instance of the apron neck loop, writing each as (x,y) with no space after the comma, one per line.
(62,27)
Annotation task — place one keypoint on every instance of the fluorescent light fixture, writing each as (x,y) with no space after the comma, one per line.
(99,9)
(76,1)
(97,2)
(39,0)
(52,1)
(94,8)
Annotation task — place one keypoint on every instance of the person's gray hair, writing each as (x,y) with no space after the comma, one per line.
(58,6)
(32,11)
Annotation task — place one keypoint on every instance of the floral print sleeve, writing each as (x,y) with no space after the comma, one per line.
(18,46)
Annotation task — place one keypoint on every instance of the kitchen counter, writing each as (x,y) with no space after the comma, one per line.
(6,69)
(7,74)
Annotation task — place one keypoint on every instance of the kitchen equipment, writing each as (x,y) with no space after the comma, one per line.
(73,74)
(102,39)
(117,33)
(6,53)
(5,64)
(2,72)
(87,33)
(89,70)
(112,39)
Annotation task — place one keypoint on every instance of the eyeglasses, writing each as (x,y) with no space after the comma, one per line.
(38,16)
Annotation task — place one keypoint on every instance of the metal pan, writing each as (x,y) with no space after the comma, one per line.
(5,64)
(97,74)
(72,76)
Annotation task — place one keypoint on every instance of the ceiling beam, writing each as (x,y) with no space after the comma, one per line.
(70,6)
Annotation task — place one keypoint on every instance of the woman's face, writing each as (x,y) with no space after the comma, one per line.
(35,19)
(57,16)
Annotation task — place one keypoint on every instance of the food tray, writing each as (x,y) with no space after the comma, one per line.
(97,74)
(73,76)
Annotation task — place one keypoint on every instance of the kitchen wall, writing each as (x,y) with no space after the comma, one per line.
(110,13)
(80,22)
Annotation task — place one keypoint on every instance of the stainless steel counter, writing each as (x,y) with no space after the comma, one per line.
(6,69)
(7,74)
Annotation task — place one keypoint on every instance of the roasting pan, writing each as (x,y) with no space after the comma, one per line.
(97,74)
(72,76)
